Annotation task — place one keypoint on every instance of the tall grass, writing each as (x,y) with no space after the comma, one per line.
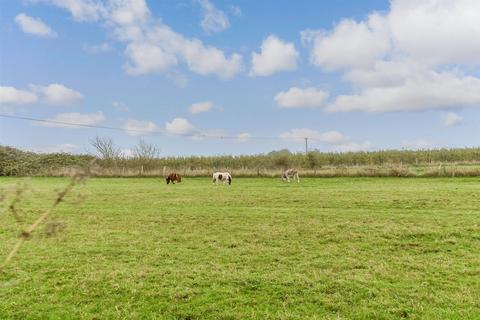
(404,163)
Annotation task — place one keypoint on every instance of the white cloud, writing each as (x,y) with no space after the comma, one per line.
(34,26)
(200,107)
(427,31)
(417,144)
(151,46)
(440,32)
(214,20)
(148,58)
(451,119)
(417,56)
(301,98)
(97,48)
(244,137)
(86,119)
(58,94)
(336,140)
(422,91)
(12,95)
(81,10)
(139,127)
(165,48)
(350,44)
(180,126)
(275,56)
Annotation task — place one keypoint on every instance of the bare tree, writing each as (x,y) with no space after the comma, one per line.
(106,148)
(146,151)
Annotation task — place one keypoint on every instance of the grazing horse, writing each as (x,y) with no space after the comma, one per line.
(172,177)
(290,173)
(222,176)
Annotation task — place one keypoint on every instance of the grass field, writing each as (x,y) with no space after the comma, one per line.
(348,248)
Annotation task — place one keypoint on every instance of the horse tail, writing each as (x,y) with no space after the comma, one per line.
(229,179)
(167,179)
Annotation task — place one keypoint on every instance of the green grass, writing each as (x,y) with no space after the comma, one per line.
(349,248)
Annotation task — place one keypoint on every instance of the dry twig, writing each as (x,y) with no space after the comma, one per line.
(25,234)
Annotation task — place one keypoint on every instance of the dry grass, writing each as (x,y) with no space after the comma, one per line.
(394,170)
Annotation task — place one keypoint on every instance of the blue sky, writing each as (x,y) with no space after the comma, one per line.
(350,75)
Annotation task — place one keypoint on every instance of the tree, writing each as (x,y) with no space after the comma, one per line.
(311,160)
(106,148)
(281,158)
(146,151)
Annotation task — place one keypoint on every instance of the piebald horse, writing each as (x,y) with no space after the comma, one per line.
(290,173)
(222,176)
(172,177)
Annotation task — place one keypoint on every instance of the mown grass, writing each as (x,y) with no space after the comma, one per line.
(349,248)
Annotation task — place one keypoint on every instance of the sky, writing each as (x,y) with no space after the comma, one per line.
(208,77)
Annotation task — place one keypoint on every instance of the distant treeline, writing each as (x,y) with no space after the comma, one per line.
(147,162)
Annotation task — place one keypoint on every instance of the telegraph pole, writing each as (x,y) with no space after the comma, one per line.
(306,145)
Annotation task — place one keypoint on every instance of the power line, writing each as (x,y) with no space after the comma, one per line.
(155,132)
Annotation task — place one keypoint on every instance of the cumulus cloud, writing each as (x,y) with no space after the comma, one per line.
(152,46)
(349,44)
(70,120)
(165,48)
(14,96)
(200,107)
(451,119)
(275,56)
(180,126)
(34,26)
(439,32)
(58,94)
(423,91)
(139,127)
(301,98)
(81,10)
(214,20)
(336,140)
(417,56)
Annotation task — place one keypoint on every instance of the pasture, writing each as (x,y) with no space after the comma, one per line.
(337,248)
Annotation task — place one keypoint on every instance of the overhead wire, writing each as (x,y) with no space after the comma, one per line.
(156,132)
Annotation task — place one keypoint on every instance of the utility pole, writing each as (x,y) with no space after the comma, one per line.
(306,145)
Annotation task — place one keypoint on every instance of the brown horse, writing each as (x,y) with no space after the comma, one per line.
(173,177)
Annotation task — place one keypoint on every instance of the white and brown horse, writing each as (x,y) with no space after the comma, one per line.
(290,173)
(222,176)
